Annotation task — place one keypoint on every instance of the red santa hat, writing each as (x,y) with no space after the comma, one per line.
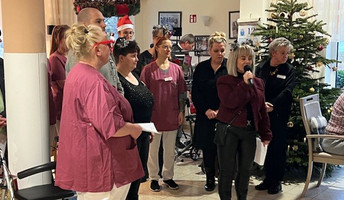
(124,23)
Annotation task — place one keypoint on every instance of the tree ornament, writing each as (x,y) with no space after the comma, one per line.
(320,47)
(295,148)
(78,8)
(310,67)
(271,27)
(270,40)
(319,64)
(291,56)
(282,15)
(334,69)
(290,124)
(122,9)
(257,44)
(303,13)
(301,37)
(327,41)
(312,90)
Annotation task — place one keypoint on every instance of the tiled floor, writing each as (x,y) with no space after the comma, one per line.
(191,181)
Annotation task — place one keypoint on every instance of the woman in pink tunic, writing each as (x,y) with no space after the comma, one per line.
(57,59)
(97,155)
(166,81)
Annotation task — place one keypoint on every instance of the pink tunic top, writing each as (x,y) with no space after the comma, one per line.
(166,87)
(58,72)
(89,158)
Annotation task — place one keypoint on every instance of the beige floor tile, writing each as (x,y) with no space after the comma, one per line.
(191,182)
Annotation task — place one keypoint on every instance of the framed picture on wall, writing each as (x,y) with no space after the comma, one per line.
(233,24)
(170,19)
(201,45)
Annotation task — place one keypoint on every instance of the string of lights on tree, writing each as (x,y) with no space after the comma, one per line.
(110,8)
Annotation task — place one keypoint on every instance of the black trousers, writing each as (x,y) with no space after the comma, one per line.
(235,160)
(209,160)
(275,160)
(143,147)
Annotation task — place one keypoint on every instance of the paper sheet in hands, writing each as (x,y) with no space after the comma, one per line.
(148,127)
(259,157)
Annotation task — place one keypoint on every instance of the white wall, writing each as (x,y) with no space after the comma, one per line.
(218,10)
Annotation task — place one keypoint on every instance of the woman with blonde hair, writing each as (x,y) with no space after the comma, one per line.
(98,157)
(206,101)
(166,81)
(242,113)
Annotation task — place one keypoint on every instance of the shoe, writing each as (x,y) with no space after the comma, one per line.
(179,144)
(275,189)
(262,186)
(154,186)
(143,179)
(210,185)
(171,184)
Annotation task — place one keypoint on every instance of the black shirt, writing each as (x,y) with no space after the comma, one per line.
(140,99)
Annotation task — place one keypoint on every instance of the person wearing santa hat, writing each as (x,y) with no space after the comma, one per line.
(125,28)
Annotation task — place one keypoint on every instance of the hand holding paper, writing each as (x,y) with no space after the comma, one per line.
(148,127)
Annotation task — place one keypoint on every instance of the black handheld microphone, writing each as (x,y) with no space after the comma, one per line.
(248,68)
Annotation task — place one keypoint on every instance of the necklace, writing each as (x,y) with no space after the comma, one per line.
(272,73)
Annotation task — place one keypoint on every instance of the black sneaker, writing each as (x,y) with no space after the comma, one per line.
(171,184)
(154,186)
(274,189)
(262,186)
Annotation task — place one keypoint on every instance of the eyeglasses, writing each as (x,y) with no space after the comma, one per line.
(109,43)
(165,47)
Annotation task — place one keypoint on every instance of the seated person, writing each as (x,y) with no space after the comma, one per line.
(335,127)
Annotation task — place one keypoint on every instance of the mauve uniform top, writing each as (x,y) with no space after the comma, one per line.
(90,159)
(58,72)
(166,86)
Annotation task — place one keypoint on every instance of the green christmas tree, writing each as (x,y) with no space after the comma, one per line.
(295,22)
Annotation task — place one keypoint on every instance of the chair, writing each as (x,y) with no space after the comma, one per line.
(310,107)
(47,191)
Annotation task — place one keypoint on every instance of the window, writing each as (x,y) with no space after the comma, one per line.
(111,27)
(331,12)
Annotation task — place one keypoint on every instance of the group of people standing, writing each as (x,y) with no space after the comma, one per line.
(242,101)
(103,152)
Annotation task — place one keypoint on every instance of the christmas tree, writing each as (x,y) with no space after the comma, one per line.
(294,21)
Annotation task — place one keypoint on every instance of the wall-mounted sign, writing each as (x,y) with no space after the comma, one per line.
(193,18)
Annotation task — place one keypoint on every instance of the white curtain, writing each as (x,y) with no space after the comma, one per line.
(58,12)
(332,13)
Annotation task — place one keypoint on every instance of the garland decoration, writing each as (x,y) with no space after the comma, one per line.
(110,8)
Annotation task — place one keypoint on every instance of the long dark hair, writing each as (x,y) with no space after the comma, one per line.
(123,47)
(57,35)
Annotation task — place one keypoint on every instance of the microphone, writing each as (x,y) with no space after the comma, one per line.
(248,68)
